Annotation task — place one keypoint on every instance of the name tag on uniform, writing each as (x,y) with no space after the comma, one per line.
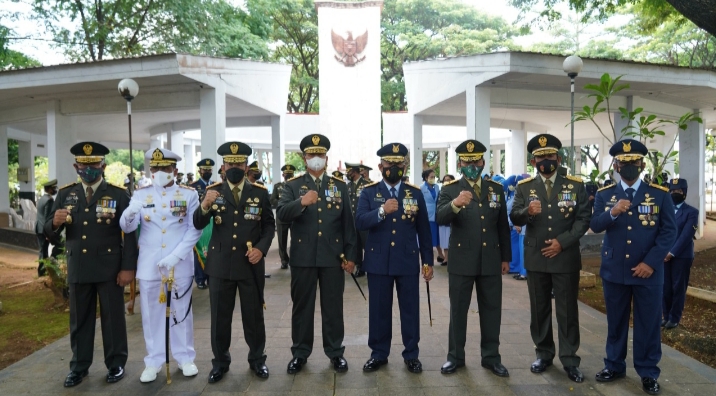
(376,199)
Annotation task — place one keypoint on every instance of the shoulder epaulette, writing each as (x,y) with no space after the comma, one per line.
(413,186)
(606,187)
(660,187)
(68,185)
(371,184)
(494,181)
(529,179)
(293,178)
(339,179)
(116,186)
(259,186)
(214,185)
(187,187)
(574,178)
(450,182)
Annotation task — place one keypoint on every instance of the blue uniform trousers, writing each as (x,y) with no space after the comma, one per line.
(647,330)
(380,310)
(676,280)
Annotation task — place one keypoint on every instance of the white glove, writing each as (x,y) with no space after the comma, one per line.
(133,209)
(169,262)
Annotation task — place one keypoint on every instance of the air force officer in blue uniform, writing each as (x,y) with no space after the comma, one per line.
(640,229)
(677,264)
(396,218)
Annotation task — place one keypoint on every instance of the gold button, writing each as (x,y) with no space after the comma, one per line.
(605,253)
(84,236)
(392,244)
(394,220)
(85,223)
(163,245)
(319,209)
(549,217)
(393,232)
(319,198)
(320,221)
(164,205)
(628,227)
(164,217)
(84,250)
(549,206)
(482,217)
(109,250)
(86,209)
(236,224)
(234,236)
(480,205)
(236,212)
(628,242)
(629,213)
(320,233)
(299,240)
(164,193)
(212,248)
(627,256)
(549,229)
(458,245)
(164,231)
(233,248)
(484,244)
(336,240)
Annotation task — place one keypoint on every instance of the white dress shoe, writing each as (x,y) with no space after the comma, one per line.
(150,374)
(189,369)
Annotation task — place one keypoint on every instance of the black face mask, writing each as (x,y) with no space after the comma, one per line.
(677,198)
(393,174)
(547,166)
(629,172)
(234,175)
(206,176)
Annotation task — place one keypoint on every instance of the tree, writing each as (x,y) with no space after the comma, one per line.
(701,12)
(122,156)
(10,59)
(101,29)
(571,37)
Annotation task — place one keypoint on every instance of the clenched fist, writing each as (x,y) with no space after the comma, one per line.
(390,206)
(621,207)
(534,208)
(463,199)
(309,199)
(209,199)
(60,217)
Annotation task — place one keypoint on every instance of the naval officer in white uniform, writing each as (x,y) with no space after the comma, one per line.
(165,211)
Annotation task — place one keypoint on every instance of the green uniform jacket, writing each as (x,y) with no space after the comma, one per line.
(276,197)
(95,249)
(479,232)
(565,217)
(251,220)
(354,190)
(320,232)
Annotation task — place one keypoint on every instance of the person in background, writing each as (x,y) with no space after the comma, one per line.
(281,227)
(206,169)
(179,178)
(443,230)
(677,263)
(365,172)
(517,265)
(254,173)
(44,207)
(355,183)
(431,190)
(189,178)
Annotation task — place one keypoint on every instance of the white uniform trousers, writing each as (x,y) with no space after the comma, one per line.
(181,336)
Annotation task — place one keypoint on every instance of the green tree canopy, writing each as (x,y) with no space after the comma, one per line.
(10,59)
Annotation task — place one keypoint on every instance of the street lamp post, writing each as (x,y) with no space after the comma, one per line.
(572,66)
(129,89)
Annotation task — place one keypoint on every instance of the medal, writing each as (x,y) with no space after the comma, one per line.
(217,219)
(69,219)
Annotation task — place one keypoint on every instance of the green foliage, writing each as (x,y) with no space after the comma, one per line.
(10,59)
(590,9)
(122,156)
(569,37)
(116,172)
(295,159)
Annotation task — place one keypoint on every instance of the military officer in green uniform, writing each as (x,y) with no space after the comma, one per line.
(356,182)
(322,228)
(364,171)
(242,232)
(555,208)
(480,252)
(100,262)
(281,227)
(254,173)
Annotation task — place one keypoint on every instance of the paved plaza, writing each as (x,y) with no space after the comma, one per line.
(43,372)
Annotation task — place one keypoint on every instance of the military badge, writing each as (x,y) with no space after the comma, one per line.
(494,200)
(648,213)
(106,208)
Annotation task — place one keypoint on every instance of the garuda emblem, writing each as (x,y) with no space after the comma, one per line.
(349,49)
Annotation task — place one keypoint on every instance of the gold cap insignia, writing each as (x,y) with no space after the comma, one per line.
(157,155)
(87,149)
(626,147)
(315,139)
(208,162)
(396,148)
(470,147)
(234,148)
(543,141)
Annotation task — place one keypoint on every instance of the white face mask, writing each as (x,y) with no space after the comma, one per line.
(162,178)
(316,163)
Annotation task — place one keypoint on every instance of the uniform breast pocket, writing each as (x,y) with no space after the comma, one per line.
(530,242)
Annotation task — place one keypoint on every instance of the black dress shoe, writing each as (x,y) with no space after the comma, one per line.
(217,373)
(663,322)
(650,386)
(521,277)
(260,370)
(295,365)
(574,373)
(444,263)
(115,374)
(201,286)
(414,365)
(540,365)
(441,259)
(74,378)
(497,368)
(670,325)
(284,265)
(339,364)
(374,364)
(607,375)
(450,367)
(360,273)
(267,276)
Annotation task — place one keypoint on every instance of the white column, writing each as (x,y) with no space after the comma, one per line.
(25,160)
(515,153)
(452,160)
(278,148)
(416,150)
(212,108)
(60,139)
(605,160)
(578,161)
(189,161)
(692,152)
(496,161)
(478,116)
(443,162)
(4,172)
(176,145)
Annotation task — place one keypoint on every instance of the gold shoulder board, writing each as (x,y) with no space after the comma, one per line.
(659,187)
(413,186)
(293,178)
(529,179)
(340,180)
(606,187)
(259,186)
(574,178)
(450,182)
(187,187)
(371,184)
(68,185)
(214,185)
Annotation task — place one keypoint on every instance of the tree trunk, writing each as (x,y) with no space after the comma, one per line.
(700,12)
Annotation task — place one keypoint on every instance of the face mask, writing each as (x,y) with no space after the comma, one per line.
(162,178)
(677,198)
(431,180)
(393,174)
(316,164)
(257,176)
(206,176)
(629,172)
(89,175)
(234,175)
(547,166)
(471,172)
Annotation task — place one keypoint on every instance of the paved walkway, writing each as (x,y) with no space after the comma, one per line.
(44,371)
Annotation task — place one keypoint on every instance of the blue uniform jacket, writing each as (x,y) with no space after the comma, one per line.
(432,203)
(393,243)
(628,240)
(687,221)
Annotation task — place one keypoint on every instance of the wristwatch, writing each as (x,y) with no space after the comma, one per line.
(381,212)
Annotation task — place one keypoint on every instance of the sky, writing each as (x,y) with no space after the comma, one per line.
(47,55)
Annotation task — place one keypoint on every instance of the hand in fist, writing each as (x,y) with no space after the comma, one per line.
(209,198)
(309,199)
(534,208)
(463,199)
(390,206)
(60,217)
